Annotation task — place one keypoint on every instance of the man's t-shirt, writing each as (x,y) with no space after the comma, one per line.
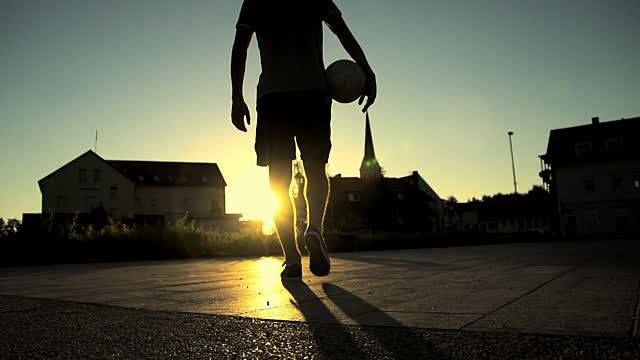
(289,36)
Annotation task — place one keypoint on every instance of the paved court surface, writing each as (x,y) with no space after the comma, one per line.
(588,288)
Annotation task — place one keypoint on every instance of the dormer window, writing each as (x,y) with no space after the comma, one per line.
(583,149)
(96,176)
(614,145)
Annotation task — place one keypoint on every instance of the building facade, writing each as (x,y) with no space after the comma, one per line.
(144,191)
(593,174)
(375,202)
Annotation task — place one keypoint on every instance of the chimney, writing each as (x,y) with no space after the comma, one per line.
(595,120)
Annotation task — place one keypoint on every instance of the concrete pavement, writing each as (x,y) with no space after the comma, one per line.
(588,288)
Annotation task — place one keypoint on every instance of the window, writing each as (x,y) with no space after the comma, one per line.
(614,145)
(82,176)
(96,176)
(354,196)
(215,207)
(154,203)
(60,202)
(140,178)
(591,218)
(205,179)
(583,149)
(589,185)
(616,183)
(400,196)
(113,193)
(186,203)
(156,178)
(91,202)
(636,180)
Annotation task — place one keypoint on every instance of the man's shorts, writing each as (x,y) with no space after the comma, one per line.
(284,119)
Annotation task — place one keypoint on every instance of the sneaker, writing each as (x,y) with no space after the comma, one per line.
(291,271)
(319,262)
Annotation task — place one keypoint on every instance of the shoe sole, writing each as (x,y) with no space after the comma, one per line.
(319,262)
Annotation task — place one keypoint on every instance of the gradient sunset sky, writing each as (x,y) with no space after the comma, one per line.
(454,76)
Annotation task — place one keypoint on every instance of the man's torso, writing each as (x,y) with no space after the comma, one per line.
(289,34)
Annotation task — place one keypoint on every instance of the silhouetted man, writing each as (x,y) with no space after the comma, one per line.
(293,106)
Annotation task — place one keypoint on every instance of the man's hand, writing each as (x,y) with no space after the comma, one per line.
(350,44)
(239,110)
(370,91)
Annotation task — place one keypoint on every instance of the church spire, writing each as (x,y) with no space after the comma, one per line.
(369,169)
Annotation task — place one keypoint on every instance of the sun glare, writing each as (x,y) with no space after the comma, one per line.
(251,195)
(272,207)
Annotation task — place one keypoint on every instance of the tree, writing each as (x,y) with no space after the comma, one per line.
(10,228)
(450,207)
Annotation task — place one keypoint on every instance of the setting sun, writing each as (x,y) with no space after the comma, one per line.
(256,200)
(263,205)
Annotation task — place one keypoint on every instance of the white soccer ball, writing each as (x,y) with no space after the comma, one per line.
(346,81)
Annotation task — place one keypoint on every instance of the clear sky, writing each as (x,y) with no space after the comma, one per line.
(454,76)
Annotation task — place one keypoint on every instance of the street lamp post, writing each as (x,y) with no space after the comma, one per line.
(513,164)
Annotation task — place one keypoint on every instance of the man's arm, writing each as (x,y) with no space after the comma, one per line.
(239,107)
(350,44)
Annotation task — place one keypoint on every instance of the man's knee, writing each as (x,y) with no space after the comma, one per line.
(280,173)
(280,166)
(315,171)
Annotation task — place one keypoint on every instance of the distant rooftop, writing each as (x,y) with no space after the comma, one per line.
(596,141)
(166,173)
(161,173)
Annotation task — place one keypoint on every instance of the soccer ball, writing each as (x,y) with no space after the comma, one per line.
(346,81)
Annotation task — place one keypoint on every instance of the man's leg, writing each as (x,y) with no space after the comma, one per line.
(280,180)
(317,193)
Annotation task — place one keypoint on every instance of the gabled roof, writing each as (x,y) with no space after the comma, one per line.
(88,152)
(166,173)
(161,173)
(562,142)
(405,183)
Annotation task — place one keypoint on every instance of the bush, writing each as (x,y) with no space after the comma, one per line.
(9,229)
(51,242)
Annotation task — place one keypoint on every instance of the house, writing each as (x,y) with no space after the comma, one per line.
(141,191)
(375,202)
(593,174)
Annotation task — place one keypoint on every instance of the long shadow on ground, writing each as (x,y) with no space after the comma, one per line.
(411,345)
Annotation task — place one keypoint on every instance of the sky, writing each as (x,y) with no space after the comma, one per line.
(453,77)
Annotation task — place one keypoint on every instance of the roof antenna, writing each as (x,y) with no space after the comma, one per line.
(95,147)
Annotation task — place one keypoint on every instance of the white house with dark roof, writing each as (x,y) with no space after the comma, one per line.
(136,189)
(593,173)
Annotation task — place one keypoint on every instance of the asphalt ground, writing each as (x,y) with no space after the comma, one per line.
(51,329)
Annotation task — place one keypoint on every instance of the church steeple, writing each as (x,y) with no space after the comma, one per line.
(369,169)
